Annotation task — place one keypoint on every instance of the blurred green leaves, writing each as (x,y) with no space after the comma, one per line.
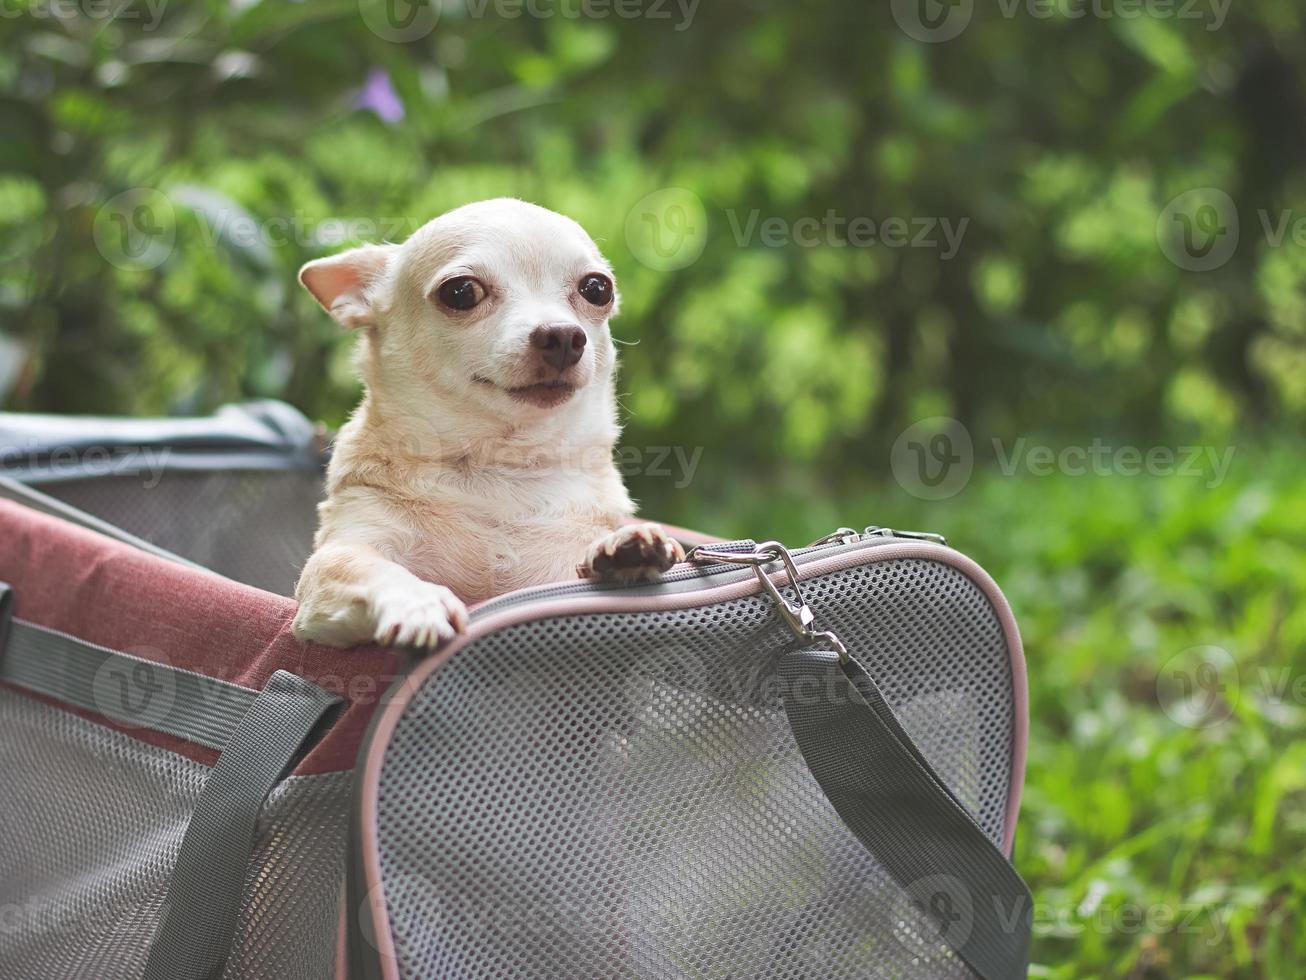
(1057,140)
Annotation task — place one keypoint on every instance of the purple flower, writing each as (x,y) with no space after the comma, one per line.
(379,95)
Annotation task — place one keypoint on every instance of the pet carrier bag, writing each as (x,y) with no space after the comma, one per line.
(769,762)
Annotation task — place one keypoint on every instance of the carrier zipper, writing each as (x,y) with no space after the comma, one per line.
(843,538)
(842,535)
(846,535)
(875,530)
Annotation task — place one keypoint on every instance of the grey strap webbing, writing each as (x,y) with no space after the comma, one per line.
(208,881)
(895,803)
(133,691)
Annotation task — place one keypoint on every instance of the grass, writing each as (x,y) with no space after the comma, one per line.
(1157,843)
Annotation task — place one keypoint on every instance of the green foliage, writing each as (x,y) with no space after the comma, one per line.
(1057,140)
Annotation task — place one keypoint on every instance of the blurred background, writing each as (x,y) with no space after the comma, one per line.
(1030,274)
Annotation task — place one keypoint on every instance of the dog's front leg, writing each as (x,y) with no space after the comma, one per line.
(350,594)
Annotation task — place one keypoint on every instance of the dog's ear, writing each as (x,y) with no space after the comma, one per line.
(340,283)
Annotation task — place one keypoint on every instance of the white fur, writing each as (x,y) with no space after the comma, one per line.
(442,489)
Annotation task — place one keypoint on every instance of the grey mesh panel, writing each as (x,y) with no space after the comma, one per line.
(255,526)
(620,795)
(92,820)
(290,911)
(28,496)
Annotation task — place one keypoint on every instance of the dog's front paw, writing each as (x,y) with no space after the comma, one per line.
(421,616)
(631,552)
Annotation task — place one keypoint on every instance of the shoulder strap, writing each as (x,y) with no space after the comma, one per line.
(895,803)
(208,881)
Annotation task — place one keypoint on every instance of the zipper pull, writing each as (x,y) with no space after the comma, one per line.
(877,531)
(843,535)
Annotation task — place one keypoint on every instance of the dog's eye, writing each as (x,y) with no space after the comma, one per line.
(461,292)
(596,289)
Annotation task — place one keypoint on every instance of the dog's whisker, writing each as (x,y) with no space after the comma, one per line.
(623,406)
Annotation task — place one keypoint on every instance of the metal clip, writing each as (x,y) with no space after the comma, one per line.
(797,616)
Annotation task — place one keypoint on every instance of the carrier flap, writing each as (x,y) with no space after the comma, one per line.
(107,598)
(260,434)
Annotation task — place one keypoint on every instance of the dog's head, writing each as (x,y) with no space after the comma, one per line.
(499,308)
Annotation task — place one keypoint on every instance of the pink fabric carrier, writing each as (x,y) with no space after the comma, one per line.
(769,762)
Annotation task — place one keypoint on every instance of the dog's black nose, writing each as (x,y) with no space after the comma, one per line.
(561,346)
